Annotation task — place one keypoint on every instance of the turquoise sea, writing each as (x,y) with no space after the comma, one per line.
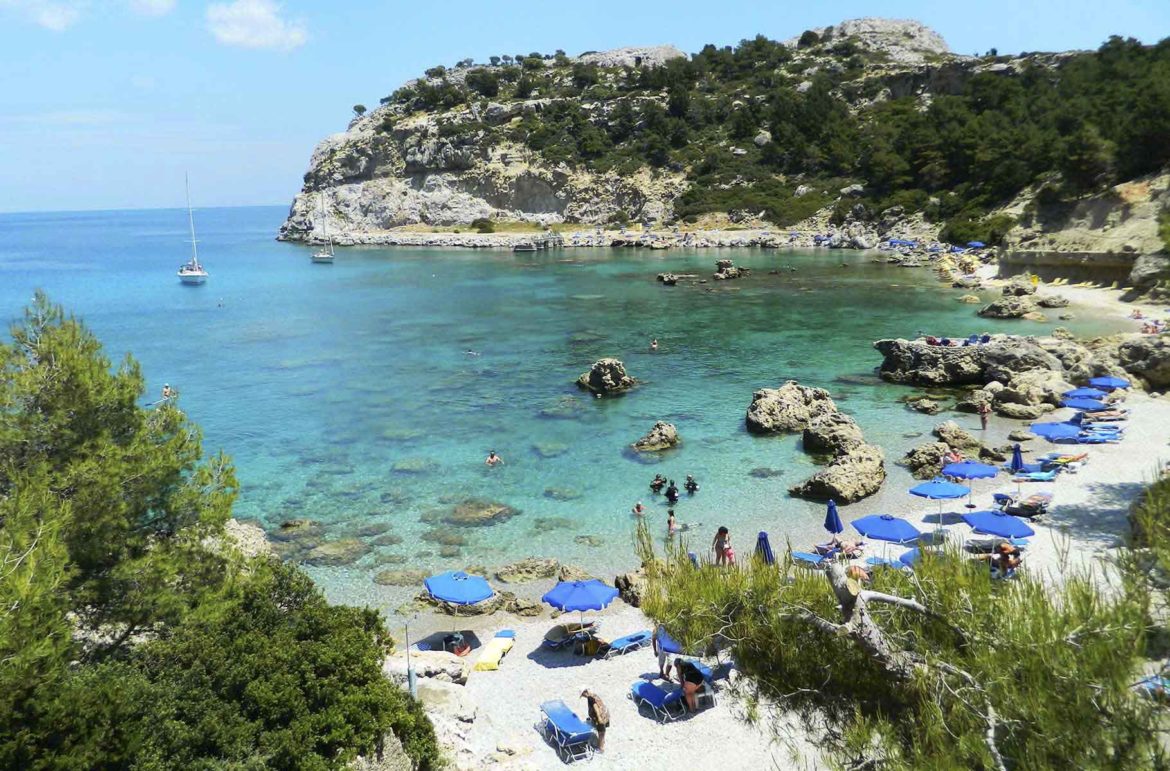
(345,394)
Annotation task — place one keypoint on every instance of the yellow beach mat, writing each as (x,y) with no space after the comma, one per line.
(494,652)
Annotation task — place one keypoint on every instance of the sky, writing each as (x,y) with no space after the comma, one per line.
(104,104)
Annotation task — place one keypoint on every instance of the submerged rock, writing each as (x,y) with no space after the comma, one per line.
(401,577)
(925,406)
(787,409)
(334,553)
(526,570)
(662,436)
(588,540)
(562,493)
(414,466)
(477,512)
(606,376)
(550,449)
(763,472)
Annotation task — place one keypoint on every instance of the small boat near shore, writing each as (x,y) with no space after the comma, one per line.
(192,273)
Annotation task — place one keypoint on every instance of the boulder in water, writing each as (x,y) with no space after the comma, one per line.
(1008,308)
(662,436)
(857,474)
(606,376)
(926,460)
(1019,286)
(333,553)
(477,512)
(787,409)
(832,434)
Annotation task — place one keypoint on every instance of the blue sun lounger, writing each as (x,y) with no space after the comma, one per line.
(1153,687)
(571,736)
(630,642)
(807,559)
(663,705)
(1035,476)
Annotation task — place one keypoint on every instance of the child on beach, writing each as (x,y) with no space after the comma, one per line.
(722,546)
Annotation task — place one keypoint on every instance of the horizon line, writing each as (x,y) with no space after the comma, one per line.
(98,210)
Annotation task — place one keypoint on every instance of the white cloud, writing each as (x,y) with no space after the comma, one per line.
(254,24)
(56,15)
(152,7)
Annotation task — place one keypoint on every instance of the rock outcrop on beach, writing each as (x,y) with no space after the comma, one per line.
(606,377)
(1008,308)
(787,409)
(1148,357)
(662,436)
(926,460)
(833,434)
(855,474)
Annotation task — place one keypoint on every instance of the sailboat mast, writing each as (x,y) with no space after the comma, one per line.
(191,221)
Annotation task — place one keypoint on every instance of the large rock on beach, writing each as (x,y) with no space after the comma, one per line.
(1022,411)
(914,362)
(662,436)
(1019,286)
(436,665)
(787,409)
(1148,357)
(957,438)
(631,587)
(1008,308)
(477,512)
(833,434)
(606,376)
(1034,387)
(926,460)
(1052,301)
(850,477)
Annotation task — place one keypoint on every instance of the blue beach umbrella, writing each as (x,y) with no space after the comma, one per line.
(1089,405)
(580,595)
(970,469)
(1055,431)
(939,490)
(883,527)
(1085,393)
(998,523)
(833,519)
(1108,382)
(1017,464)
(764,549)
(458,588)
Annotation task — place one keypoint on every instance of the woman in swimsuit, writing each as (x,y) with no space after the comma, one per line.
(721,545)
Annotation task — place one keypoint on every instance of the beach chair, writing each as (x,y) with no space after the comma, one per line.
(884,562)
(663,705)
(622,645)
(1036,476)
(566,634)
(808,560)
(1155,687)
(494,652)
(571,736)
(989,545)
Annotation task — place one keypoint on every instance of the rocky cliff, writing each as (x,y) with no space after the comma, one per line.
(763,132)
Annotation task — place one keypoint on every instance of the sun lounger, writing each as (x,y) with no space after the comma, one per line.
(1090,439)
(1028,468)
(884,562)
(630,642)
(1153,687)
(1032,506)
(1036,476)
(570,735)
(989,545)
(663,705)
(494,652)
(566,634)
(808,560)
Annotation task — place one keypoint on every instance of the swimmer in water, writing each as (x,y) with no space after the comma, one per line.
(654,344)
(470,352)
(493,459)
(638,509)
(671,525)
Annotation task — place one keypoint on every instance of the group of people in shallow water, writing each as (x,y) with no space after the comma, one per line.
(671,489)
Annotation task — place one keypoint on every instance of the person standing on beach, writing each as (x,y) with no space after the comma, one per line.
(722,546)
(984,414)
(671,525)
(598,716)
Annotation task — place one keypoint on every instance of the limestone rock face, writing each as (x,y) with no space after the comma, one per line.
(916,363)
(834,434)
(1022,411)
(662,436)
(1019,286)
(901,41)
(787,409)
(606,376)
(1147,357)
(957,437)
(1008,308)
(1033,388)
(631,587)
(1149,269)
(926,461)
(850,477)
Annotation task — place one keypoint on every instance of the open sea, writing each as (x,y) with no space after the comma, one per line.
(345,393)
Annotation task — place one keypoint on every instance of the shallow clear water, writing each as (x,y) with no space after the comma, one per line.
(345,395)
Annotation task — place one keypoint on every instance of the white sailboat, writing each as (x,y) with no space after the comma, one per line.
(192,272)
(324,256)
